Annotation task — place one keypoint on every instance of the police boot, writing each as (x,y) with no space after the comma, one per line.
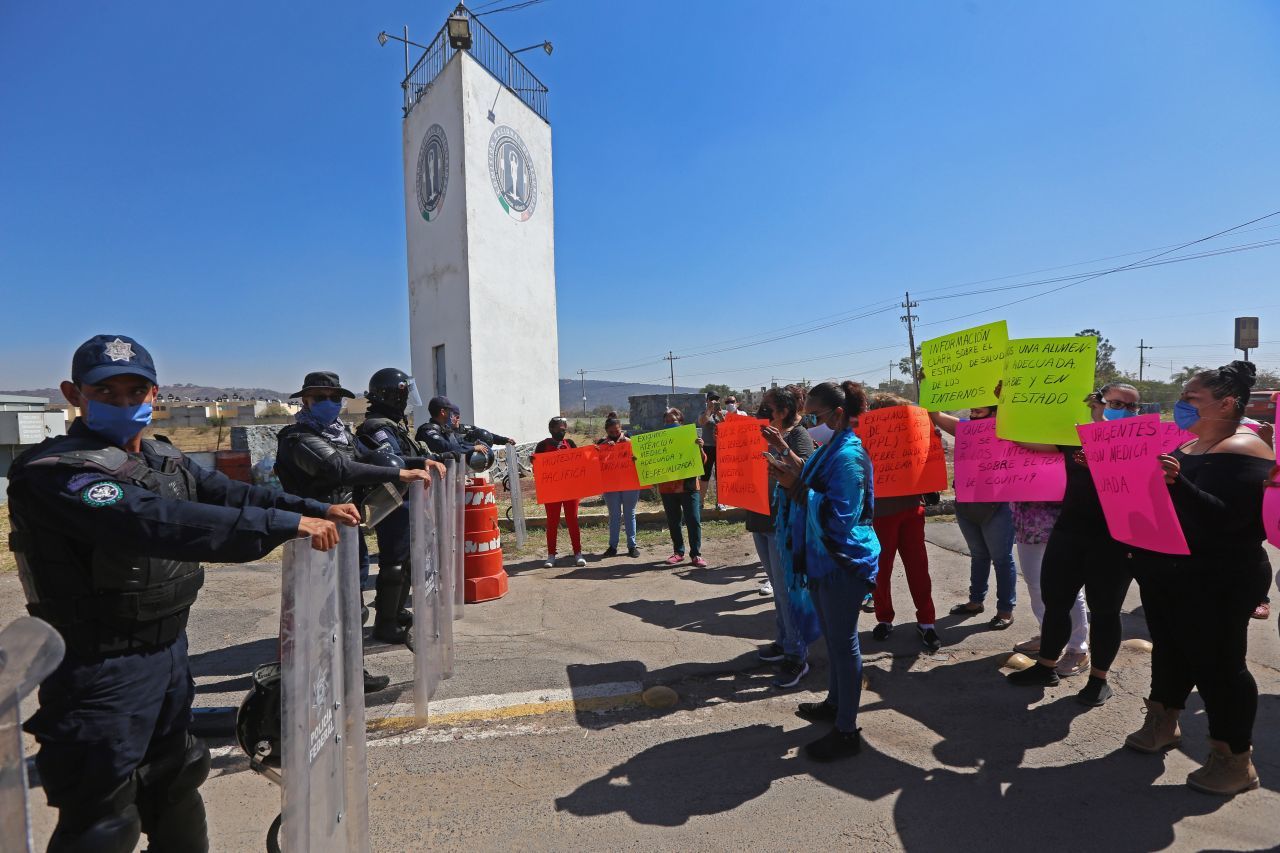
(403,615)
(374,683)
(386,605)
(169,797)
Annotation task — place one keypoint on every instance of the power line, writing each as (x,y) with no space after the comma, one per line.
(513,7)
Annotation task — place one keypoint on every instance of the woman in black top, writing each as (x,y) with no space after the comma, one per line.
(1198,607)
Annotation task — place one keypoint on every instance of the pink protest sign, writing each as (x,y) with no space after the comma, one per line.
(1172,436)
(1124,461)
(1271,509)
(992,469)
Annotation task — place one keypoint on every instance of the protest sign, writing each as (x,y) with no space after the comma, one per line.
(962,369)
(992,469)
(900,441)
(742,475)
(566,475)
(1124,462)
(667,454)
(1046,381)
(617,468)
(1173,436)
(1271,511)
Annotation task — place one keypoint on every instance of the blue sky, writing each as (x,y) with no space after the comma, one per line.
(224,180)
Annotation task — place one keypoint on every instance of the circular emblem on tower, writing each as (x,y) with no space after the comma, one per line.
(433,172)
(512,173)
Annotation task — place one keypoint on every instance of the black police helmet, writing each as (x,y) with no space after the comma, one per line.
(390,386)
(258,720)
(480,460)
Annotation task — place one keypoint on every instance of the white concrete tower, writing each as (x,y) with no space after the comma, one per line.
(479,213)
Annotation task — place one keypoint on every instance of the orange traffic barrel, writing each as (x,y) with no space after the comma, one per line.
(233,463)
(485,578)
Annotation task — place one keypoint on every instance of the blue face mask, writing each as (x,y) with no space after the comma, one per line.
(1185,414)
(325,411)
(117,424)
(1117,414)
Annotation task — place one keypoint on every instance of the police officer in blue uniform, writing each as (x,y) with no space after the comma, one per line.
(109,529)
(445,432)
(385,434)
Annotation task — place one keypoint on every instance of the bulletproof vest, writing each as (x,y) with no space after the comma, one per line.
(296,481)
(105,601)
(409,445)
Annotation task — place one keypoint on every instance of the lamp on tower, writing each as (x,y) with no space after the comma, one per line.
(459,27)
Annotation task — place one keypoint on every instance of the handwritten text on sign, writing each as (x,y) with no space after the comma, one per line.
(1045,383)
(566,475)
(899,440)
(992,469)
(1124,462)
(962,369)
(667,454)
(617,468)
(742,475)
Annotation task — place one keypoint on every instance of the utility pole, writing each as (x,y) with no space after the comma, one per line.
(1142,356)
(888,385)
(671,360)
(582,375)
(910,320)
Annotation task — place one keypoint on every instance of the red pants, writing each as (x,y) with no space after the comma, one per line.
(570,520)
(903,533)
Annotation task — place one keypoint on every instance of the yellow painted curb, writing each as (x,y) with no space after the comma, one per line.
(533,709)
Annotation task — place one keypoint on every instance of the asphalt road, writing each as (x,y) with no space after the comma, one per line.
(539,741)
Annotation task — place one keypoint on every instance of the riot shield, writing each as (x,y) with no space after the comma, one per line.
(517,497)
(29,650)
(325,803)
(428,611)
(441,541)
(459,537)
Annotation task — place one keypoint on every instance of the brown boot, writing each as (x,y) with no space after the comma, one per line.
(1225,773)
(1159,730)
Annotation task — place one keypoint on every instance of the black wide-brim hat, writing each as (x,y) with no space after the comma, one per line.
(322,380)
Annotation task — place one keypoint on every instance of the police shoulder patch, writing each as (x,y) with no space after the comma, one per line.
(383,436)
(102,493)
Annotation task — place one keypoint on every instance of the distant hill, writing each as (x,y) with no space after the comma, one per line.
(186,390)
(611,394)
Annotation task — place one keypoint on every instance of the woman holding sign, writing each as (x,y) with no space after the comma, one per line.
(680,503)
(621,504)
(559,428)
(1198,607)
(833,543)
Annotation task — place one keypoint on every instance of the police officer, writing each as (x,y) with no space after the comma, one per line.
(385,432)
(316,457)
(109,530)
(445,432)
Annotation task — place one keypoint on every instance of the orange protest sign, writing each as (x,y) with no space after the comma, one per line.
(617,467)
(742,476)
(566,475)
(905,452)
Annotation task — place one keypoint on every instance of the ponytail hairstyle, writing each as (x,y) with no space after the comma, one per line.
(1233,380)
(849,396)
(611,419)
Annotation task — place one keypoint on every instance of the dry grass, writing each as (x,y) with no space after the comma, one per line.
(7,561)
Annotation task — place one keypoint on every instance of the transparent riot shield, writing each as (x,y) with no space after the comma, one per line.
(442,542)
(459,537)
(428,609)
(517,497)
(325,795)
(29,650)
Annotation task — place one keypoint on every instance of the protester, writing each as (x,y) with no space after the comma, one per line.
(559,427)
(987,527)
(1080,553)
(833,544)
(781,407)
(1198,606)
(1033,522)
(680,503)
(712,416)
(621,504)
(899,525)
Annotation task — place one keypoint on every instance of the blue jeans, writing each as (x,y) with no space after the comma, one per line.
(789,638)
(992,542)
(688,506)
(838,600)
(622,510)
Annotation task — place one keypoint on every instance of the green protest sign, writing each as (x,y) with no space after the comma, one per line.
(667,454)
(1046,381)
(961,369)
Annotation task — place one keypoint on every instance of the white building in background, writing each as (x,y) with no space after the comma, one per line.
(24,421)
(479,211)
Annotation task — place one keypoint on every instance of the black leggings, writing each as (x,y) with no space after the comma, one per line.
(1199,616)
(1098,565)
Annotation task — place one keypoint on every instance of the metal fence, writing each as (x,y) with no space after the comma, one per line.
(492,55)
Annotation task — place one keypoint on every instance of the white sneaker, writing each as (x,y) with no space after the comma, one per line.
(551,562)
(1073,663)
(766,588)
(579,560)
(721,507)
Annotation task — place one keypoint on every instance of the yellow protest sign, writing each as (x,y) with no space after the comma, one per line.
(961,369)
(1046,381)
(667,454)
